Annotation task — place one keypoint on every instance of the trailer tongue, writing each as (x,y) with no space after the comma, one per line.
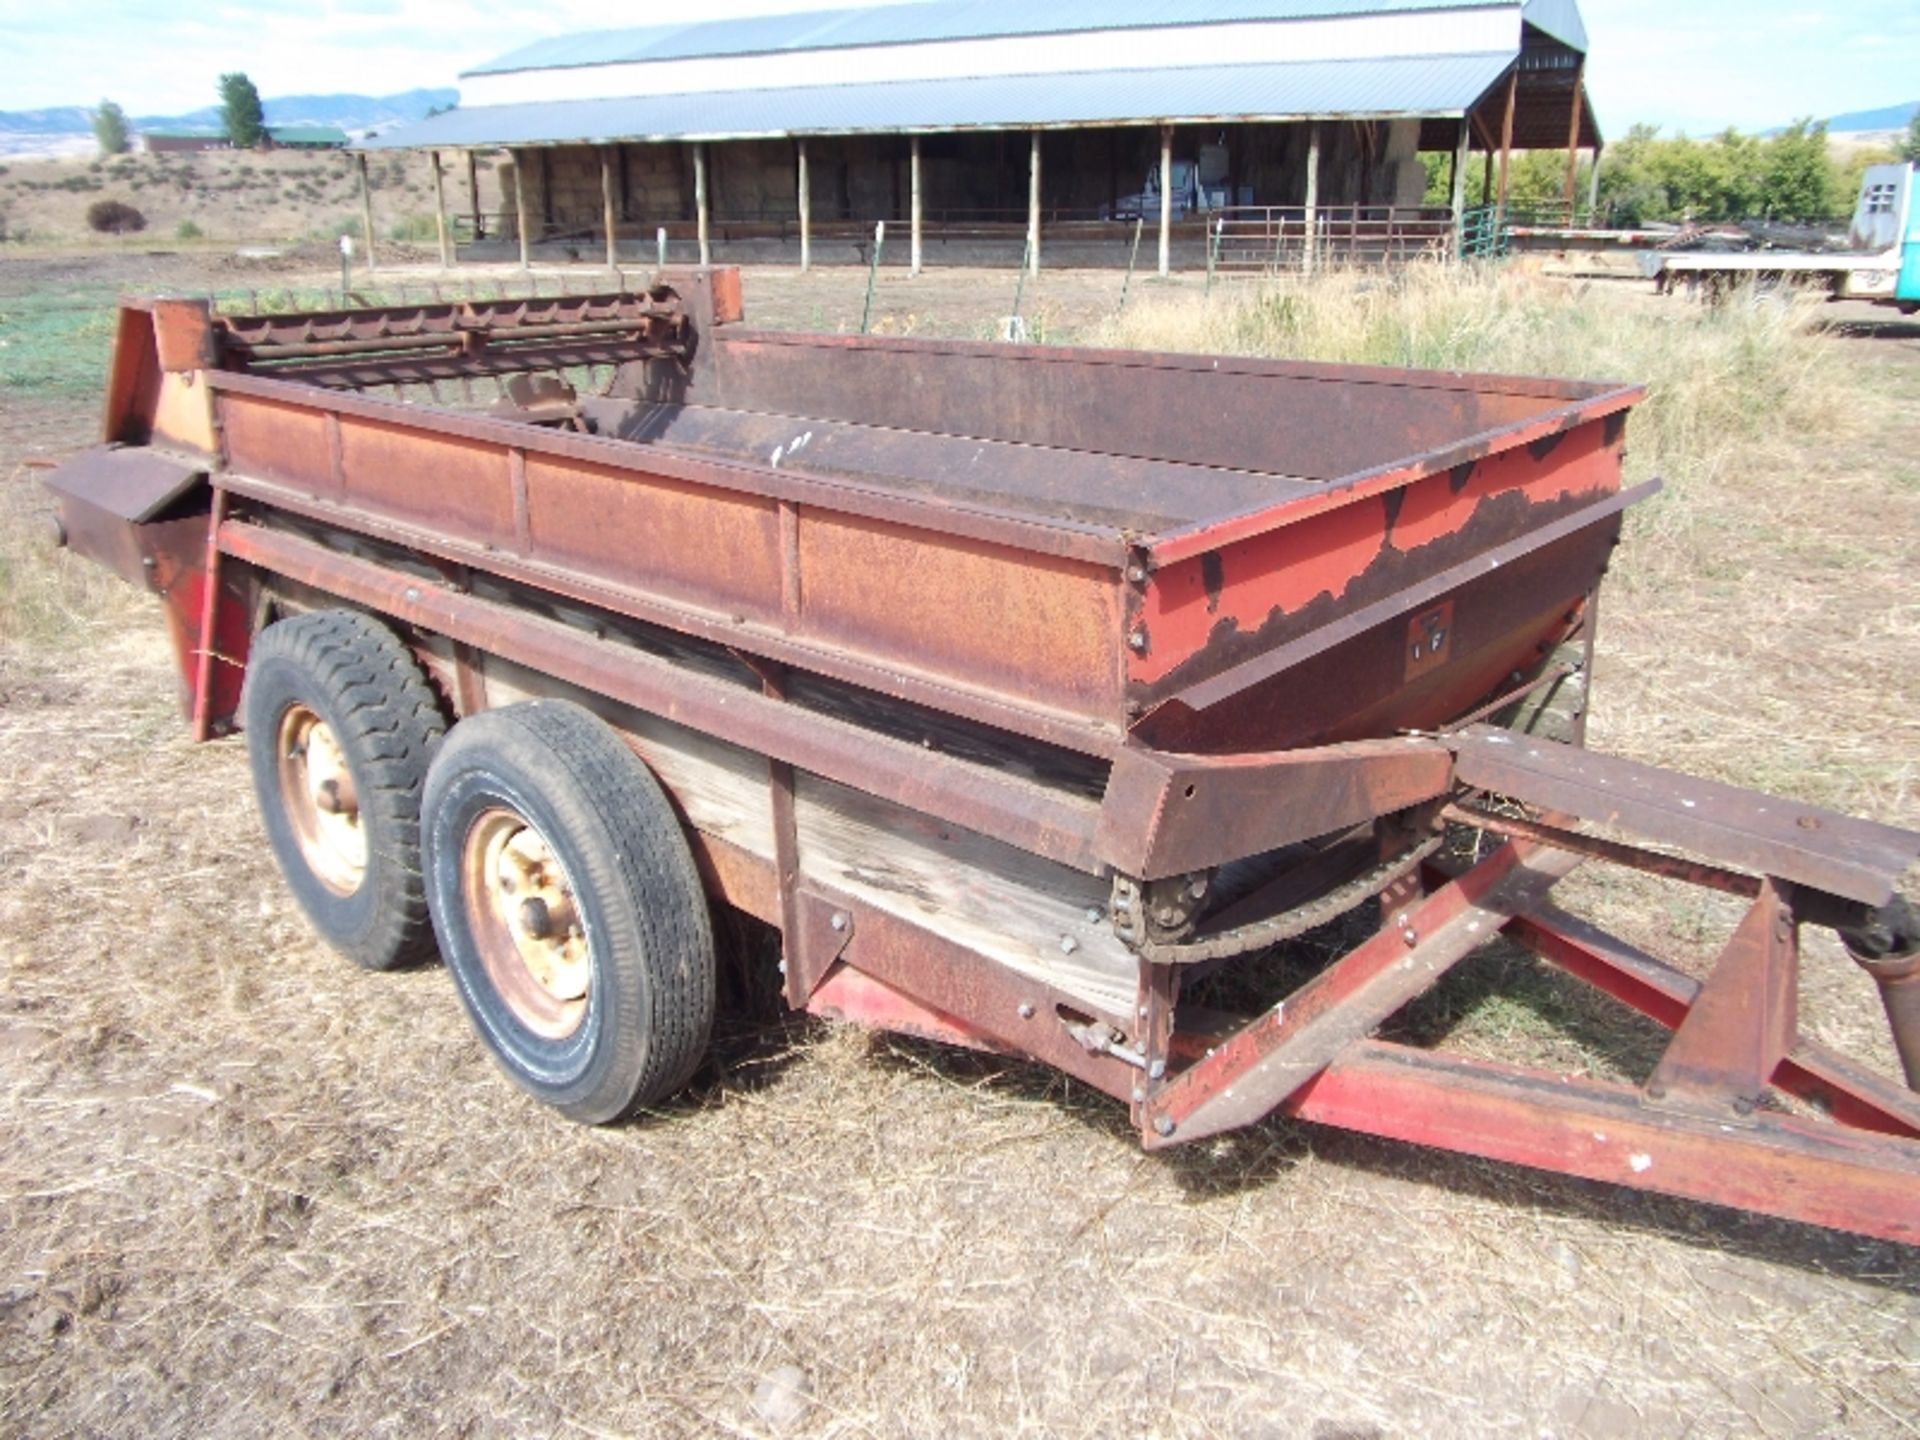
(1023,689)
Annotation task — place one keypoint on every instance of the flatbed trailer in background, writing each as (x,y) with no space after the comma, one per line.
(1023,690)
(1880,264)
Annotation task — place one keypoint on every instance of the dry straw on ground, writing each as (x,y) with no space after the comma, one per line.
(247,1190)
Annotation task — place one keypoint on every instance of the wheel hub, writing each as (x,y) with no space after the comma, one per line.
(528,926)
(318,797)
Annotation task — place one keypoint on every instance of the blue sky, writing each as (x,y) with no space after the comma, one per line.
(1696,65)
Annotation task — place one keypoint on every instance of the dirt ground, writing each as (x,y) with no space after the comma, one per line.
(246,1189)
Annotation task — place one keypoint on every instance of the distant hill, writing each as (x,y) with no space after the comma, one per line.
(62,120)
(347,112)
(1888,117)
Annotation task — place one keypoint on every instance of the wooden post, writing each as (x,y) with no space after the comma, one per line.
(473,196)
(1593,185)
(520,206)
(1033,206)
(700,203)
(1458,198)
(804,192)
(1166,200)
(1573,138)
(1311,241)
(913,203)
(610,215)
(440,213)
(366,208)
(1506,145)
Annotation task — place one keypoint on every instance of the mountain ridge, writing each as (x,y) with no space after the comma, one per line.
(345,111)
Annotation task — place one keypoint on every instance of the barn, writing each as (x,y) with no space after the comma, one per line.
(1294,130)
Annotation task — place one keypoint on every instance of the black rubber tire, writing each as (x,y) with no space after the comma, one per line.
(355,675)
(650,994)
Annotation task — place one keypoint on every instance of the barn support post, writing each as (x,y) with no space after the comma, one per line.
(1506,147)
(1311,241)
(1033,205)
(702,221)
(1166,200)
(916,213)
(473,196)
(440,212)
(1458,196)
(520,207)
(366,208)
(1573,138)
(607,210)
(803,195)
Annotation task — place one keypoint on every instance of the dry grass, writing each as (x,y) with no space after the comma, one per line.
(245,1189)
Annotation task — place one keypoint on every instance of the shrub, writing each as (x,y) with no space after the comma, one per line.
(187,230)
(114,217)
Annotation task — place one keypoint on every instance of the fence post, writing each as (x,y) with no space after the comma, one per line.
(1033,206)
(804,184)
(1458,196)
(873,270)
(1312,237)
(366,209)
(1166,200)
(916,212)
(1139,224)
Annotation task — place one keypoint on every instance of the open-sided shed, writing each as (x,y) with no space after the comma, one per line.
(965,121)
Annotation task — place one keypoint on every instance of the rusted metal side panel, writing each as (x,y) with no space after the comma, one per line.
(1037,630)
(1313,422)
(1036,627)
(458,486)
(289,444)
(692,543)
(1169,814)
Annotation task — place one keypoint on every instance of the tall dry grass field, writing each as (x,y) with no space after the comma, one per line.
(248,1190)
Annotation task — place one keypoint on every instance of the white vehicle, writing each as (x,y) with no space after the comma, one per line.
(1868,269)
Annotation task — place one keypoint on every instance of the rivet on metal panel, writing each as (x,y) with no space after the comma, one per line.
(1163,1126)
(839,921)
(1137,639)
(1137,574)
(1068,944)
(1095,915)
(1157,1070)
(1026,1010)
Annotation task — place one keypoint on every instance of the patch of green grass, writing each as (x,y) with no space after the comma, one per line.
(55,344)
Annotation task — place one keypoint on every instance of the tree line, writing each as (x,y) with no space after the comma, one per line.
(1647,177)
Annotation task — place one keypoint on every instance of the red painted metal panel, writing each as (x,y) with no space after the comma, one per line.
(1772,1164)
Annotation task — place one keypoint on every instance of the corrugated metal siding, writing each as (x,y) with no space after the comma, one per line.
(922,23)
(1443,85)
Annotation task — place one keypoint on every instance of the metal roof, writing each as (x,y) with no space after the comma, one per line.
(943,20)
(1423,85)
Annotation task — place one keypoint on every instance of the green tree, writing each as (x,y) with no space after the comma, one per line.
(110,129)
(1910,146)
(1799,181)
(241,112)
